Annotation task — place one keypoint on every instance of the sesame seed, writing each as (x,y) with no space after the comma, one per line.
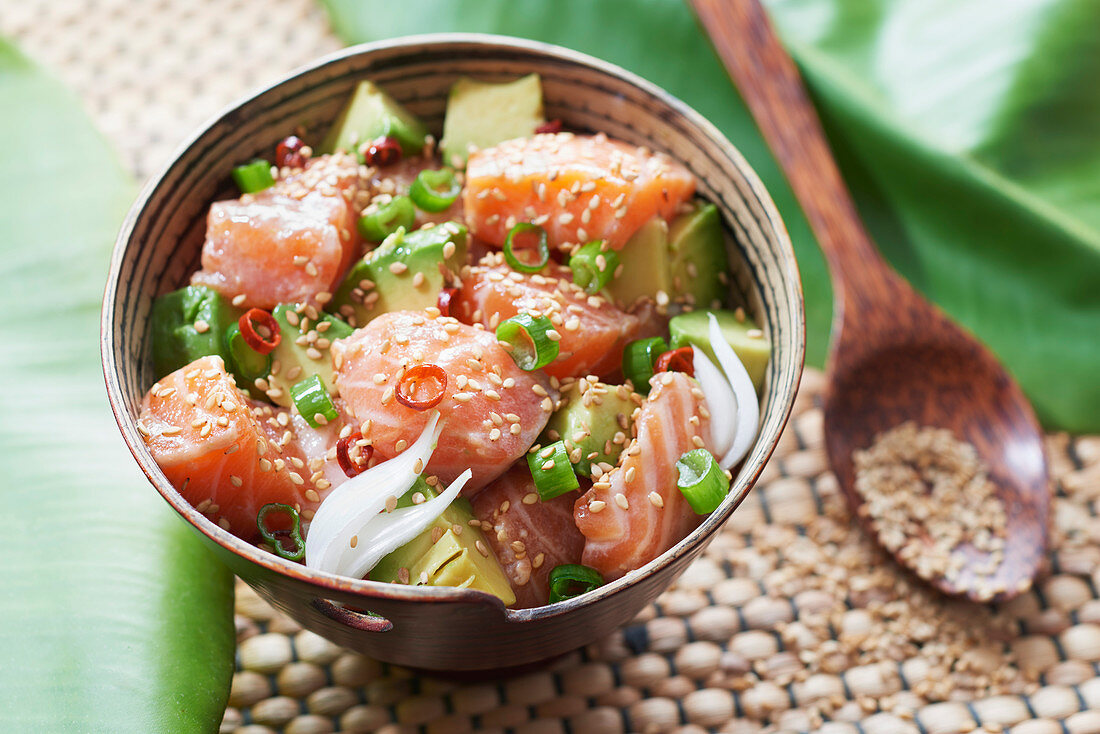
(621,501)
(597,506)
(397,268)
(296,477)
(656,500)
(354,541)
(401,445)
(312,496)
(463,397)
(481,549)
(238,300)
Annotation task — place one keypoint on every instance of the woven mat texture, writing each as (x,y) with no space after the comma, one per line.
(791,621)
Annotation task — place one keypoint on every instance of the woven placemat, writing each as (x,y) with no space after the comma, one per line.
(791,621)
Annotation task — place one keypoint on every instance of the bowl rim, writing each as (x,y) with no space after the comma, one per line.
(327,583)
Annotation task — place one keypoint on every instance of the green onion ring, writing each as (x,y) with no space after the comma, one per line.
(565,580)
(543,248)
(552,471)
(528,340)
(272,537)
(702,482)
(639,358)
(594,266)
(435,191)
(254,176)
(312,399)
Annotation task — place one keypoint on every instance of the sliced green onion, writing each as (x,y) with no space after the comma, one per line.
(253,176)
(639,358)
(248,364)
(312,399)
(528,340)
(570,580)
(543,248)
(384,221)
(272,536)
(594,266)
(552,471)
(434,191)
(702,481)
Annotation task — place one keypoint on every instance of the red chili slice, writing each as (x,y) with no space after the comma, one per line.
(446,297)
(353,467)
(382,152)
(252,337)
(553,126)
(288,153)
(414,377)
(676,360)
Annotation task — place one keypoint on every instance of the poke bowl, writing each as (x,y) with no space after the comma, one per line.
(164,241)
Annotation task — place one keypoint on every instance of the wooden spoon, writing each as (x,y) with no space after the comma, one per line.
(895,357)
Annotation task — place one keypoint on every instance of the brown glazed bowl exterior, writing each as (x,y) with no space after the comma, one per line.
(437,628)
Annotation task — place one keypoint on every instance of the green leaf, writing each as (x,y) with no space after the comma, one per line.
(967,134)
(115,618)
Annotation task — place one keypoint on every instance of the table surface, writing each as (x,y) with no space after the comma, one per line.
(791,621)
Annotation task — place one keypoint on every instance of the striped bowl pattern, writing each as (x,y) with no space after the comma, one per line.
(429,627)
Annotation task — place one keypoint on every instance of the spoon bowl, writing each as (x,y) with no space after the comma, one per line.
(919,366)
(894,356)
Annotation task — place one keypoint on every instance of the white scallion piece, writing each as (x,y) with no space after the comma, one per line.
(720,402)
(748,407)
(348,508)
(388,531)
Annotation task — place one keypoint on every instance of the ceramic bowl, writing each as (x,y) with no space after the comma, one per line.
(437,628)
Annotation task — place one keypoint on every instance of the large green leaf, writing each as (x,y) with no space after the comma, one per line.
(968,135)
(113,617)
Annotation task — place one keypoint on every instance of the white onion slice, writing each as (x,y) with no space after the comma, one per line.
(748,408)
(388,531)
(348,508)
(721,404)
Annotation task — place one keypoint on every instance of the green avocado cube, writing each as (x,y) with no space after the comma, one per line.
(188,324)
(594,422)
(370,114)
(644,261)
(748,341)
(697,261)
(386,278)
(293,362)
(446,554)
(482,114)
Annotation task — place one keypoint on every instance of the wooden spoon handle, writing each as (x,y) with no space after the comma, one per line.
(770,84)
